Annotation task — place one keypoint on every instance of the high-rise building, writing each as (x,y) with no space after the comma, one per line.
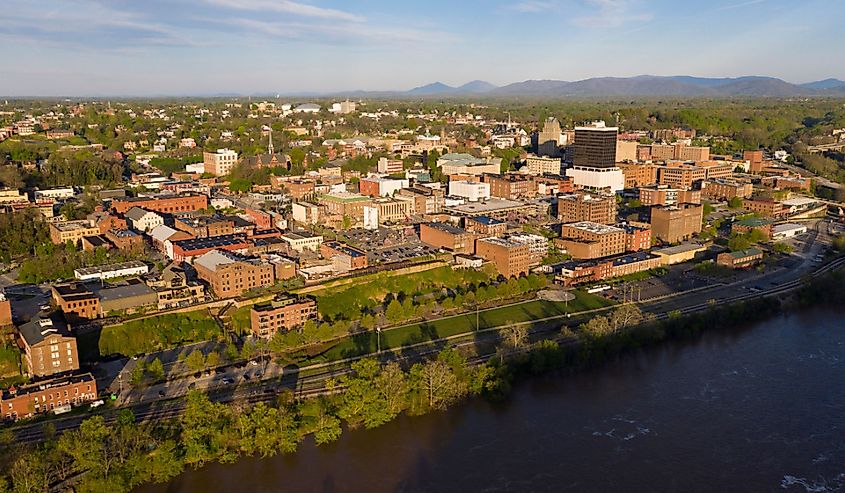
(548,139)
(595,146)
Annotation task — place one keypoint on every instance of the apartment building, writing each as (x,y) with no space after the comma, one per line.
(485,226)
(511,186)
(281,315)
(71,231)
(48,345)
(581,206)
(47,395)
(766,206)
(665,195)
(390,166)
(589,240)
(511,258)
(219,163)
(168,204)
(231,275)
(722,189)
(673,224)
(639,175)
(542,165)
(448,237)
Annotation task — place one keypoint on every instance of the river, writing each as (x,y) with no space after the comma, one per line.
(760,408)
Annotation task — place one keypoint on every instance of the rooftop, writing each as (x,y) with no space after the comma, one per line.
(210,242)
(133,264)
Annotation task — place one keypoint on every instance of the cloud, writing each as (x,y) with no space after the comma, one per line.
(532,6)
(610,13)
(738,5)
(288,7)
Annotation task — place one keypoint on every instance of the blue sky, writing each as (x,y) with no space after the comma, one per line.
(146,47)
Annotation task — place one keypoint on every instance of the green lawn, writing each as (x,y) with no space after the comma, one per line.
(426,331)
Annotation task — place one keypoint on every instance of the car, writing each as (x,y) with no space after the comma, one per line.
(228,380)
(161,393)
(258,374)
(253,363)
(246,376)
(197,374)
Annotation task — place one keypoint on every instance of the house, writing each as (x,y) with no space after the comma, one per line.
(143,220)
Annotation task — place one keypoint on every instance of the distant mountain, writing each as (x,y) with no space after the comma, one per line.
(431,89)
(825,84)
(475,87)
(532,88)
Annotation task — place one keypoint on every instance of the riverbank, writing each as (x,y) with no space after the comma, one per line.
(373,395)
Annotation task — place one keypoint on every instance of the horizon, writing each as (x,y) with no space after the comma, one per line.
(85,48)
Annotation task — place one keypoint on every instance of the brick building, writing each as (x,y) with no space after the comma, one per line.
(722,189)
(588,240)
(76,301)
(282,314)
(664,195)
(170,204)
(511,186)
(187,250)
(580,206)
(48,345)
(485,226)
(47,395)
(638,175)
(673,224)
(446,236)
(231,275)
(511,258)
(204,226)
(350,258)
(72,231)
(741,259)
(766,206)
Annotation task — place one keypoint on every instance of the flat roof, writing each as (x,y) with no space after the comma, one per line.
(211,242)
(487,206)
(682,248)
(132,264)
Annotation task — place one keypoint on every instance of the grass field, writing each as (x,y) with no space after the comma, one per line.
(426,331)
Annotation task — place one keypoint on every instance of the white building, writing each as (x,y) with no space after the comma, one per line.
(307,108)
(133,268)
(370,217)
(219,163)
(593,178)
(542,165)
(787,230)
(390,166)
(198,168)
(472,191)
(143,220)
(55,194)
(305,212)
(303,240)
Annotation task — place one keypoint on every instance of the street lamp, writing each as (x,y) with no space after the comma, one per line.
(378,339)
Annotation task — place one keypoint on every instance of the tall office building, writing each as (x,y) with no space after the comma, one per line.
(594,163)
(548,140)
(595,146)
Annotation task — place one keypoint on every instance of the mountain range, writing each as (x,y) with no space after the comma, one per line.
(642,85)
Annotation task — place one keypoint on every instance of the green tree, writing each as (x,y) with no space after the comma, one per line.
(195,360)
(156,370)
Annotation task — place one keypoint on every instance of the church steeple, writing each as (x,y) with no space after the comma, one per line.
(270,149)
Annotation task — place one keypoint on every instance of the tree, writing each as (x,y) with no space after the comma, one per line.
(212,359)
(195,360)
(156,370)
(395,313)
(735,203)
(437,383)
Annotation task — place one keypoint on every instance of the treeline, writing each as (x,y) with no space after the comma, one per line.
(21,233)
(168,165)
(81,168)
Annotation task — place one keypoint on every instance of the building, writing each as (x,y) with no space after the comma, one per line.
(676,223)
(597,178)
(104,272)
(375,186)
(753,224)
(637,238)
(282,314)
(219,163)
(76,301)
(470,190)
(174,290)
(305,212)
(168,204)
(303,240)
(142,219)
(48,345)
(297,189)
(511,186)
(677,254)
(204,226)
(390,166)
(689,174)
(787,230)
(231,275)
(579,272)
(127,296)
(741,259)
(542,165)
(765,206)
(754,160)
(722,189)
(125,240)
(581,206)
(595,146)
(626,151)
(5,310)
(448,237)
(664,195)
(71,231)
(466,164)
(41,397)
(393,210)
(549,139)
(343,256)
(342,205)
(589,240)
(639,175)
(538,246)
(485,226)
(427,200)
(187,250)
(511,258)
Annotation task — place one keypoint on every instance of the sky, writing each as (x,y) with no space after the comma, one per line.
(204,47)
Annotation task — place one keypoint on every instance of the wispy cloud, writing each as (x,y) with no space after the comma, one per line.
(532,6)
(289,7)
(610,13)
(738,5)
